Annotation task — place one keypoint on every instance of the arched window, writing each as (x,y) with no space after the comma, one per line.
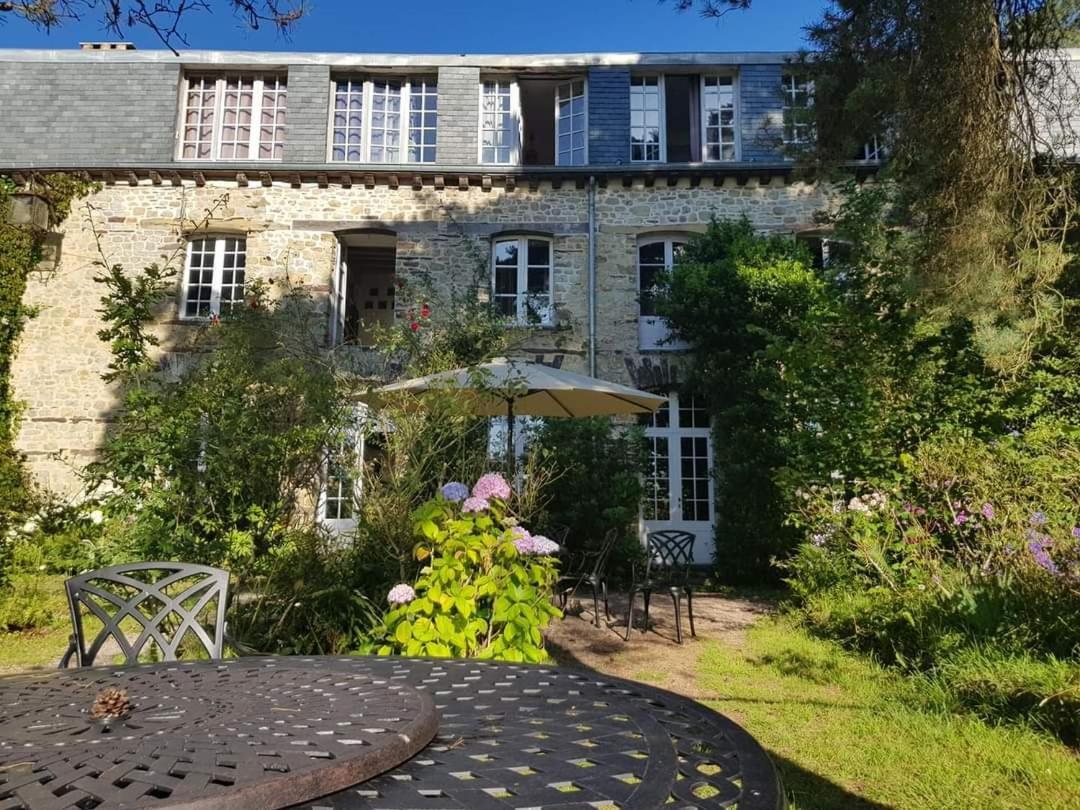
(521,271)
(655,256)
(213,276)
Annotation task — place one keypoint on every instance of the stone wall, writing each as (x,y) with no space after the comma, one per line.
(443,235)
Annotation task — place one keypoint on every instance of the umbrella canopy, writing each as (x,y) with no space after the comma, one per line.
(510,388)
(532,389)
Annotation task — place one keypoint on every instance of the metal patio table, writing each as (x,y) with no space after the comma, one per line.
(369,732)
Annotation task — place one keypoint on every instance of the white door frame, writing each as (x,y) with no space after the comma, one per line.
(676,518)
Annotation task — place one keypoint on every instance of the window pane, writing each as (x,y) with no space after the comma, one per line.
(348,120)
(200,104)
(214,276)
(657,481)
(423,104)
(385,121)
(718,116)
(645,125)
(272,118)
(496,123)
(570,124)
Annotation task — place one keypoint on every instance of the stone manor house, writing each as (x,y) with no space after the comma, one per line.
(574,178)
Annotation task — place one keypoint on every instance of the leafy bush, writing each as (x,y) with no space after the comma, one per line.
(32,601)
(486,585)
(597,483)
(216,465)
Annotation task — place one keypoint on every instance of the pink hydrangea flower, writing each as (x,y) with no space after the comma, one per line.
(401,594)
(491,485)
(536,544)
(475,505)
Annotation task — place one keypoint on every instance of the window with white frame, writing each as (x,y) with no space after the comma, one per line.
(646,121)
(498,122)
(570,131)
(234,117)
(798,95)
(718,118)
(655,257)
(214,276)
(874,149)
(343,473)
(521,279)
(384,121)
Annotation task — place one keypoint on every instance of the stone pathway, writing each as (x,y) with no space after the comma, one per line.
(653,656)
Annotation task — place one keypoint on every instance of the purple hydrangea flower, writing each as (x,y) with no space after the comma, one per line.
(491,485)
(475,505)
(1037,519)
(988,511)
(1076,532)
(401,594)
(536,544)
(455,491)
(960,519)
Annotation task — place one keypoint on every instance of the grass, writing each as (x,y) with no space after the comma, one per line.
(848,734)
(37,600)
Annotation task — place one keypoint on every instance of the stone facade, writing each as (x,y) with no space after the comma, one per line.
(441,235)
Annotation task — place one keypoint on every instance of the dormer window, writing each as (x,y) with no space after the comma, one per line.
(384,120)
(683,118)
(534,121)
(233,117)
(798,93)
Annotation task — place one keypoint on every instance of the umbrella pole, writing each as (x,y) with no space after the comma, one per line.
(511,456)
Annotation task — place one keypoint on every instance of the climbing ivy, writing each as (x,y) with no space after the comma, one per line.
(20,252)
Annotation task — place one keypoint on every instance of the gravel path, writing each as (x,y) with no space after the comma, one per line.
(652,656)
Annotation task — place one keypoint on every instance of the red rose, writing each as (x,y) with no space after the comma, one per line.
(414,326)
(425,311)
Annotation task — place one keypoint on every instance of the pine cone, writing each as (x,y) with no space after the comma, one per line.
(110,703)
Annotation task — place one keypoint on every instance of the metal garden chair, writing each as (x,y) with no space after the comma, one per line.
(670,555)
(590,569)
(161,608)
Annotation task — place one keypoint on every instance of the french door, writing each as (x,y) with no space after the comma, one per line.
(678,483)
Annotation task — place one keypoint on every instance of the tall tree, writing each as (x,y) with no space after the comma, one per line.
(975,102)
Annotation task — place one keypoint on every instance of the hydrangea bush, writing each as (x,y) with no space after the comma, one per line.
(486,584)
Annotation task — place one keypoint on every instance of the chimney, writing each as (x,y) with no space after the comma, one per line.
(107,46)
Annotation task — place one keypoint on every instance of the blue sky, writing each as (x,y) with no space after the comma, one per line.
(475,26)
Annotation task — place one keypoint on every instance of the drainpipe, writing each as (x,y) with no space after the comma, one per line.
(592,276)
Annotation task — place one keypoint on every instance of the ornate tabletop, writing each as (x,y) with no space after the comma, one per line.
(277,731)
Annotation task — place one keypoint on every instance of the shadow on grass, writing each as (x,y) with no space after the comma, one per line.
(807,790)
(798,665)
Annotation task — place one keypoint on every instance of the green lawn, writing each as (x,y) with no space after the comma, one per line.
(847,734)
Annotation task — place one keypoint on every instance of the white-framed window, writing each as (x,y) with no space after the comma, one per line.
(384,120)
(874,149)
(719,139)
(571,132)
(233,117)
(499,122)
(798,93)
(521,279)
(213,276)
(646,118)
(678,480)
(656,255)
(341,485)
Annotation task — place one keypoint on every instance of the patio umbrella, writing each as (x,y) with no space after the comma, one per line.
(510,388)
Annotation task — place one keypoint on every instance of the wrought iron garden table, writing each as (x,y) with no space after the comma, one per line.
(369,733)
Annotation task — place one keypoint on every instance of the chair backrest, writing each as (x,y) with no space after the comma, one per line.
(611,537)
(162,608)
(671,553)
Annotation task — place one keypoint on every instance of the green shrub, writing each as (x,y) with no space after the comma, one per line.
(598,468)
(486,585)
(33,601)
